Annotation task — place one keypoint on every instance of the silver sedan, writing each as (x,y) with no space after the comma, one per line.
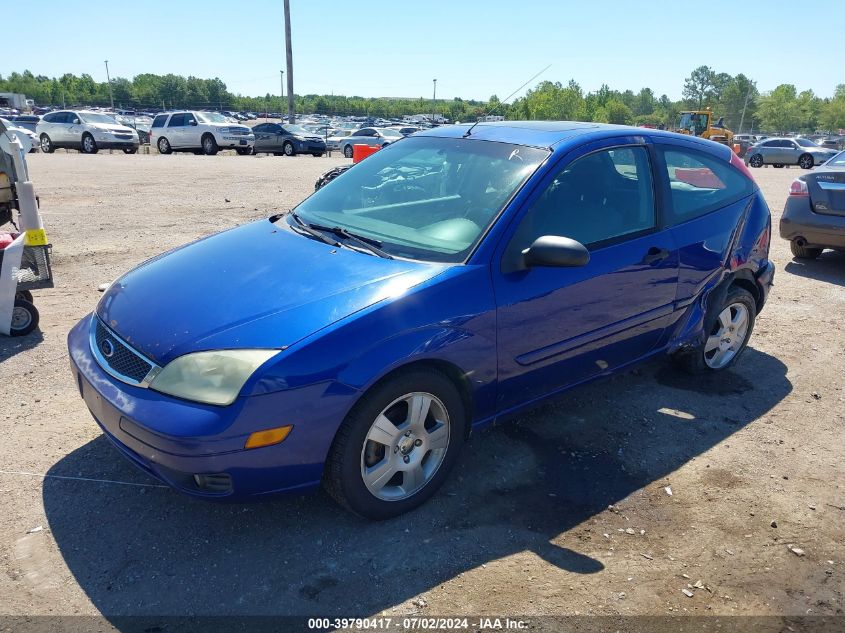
(788,151)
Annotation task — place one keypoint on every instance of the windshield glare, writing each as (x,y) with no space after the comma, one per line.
(425,198)
(391,133)
(212,117)
(805,142)
(95,117)
(297,130)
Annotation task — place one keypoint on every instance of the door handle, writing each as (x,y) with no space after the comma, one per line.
(655,255)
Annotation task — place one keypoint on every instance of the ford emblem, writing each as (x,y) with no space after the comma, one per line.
(107,347)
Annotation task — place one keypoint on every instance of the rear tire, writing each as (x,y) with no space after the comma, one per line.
(756,161)
(805,161)
(417,452)
(24,318)
(88,144)
(723,345)
(26,295)
(803,252)
(244,151)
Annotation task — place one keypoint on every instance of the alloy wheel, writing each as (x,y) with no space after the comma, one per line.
(728,336)
(405,446)
(756,161)
(88,144)
(805,162)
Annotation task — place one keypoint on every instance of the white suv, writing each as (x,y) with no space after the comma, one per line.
(86,131)
(199,132)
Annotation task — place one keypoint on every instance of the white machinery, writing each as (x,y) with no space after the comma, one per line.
(24,255)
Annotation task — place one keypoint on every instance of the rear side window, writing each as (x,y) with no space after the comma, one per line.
(159,120)
(51,118)
(700,184)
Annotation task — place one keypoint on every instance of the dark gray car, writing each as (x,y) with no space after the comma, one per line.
(787,151)
(814,216)
(290,140)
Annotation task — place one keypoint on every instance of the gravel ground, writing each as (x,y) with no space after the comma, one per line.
(565,511)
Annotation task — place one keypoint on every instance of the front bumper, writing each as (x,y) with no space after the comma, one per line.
(817,230)
(117,144)
(310,147)
(235,141)
(173,439)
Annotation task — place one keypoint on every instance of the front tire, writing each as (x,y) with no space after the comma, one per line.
(347,151)
(756,161)
(805,161)
(164,146)
(88,145)
(24,318)
(47,145)
(804,252)
(397,445)
(209,145)
(727,337)
(288,149)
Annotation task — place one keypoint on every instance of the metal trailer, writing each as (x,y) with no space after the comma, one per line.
(25,253)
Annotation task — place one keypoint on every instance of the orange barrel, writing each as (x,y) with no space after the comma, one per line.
(361,151)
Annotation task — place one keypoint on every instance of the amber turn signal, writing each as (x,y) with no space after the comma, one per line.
(268,437)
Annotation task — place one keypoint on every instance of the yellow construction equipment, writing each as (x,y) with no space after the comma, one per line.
(701,123)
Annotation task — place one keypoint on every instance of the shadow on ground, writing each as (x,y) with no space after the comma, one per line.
(830,267)
(11,345)
(518,487)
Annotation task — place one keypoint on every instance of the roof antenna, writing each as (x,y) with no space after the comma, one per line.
(501,103)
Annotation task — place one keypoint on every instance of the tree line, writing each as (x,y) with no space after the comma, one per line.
(735,98)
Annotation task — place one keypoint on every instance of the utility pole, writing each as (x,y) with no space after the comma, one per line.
(434,101)
(111,94)
(289,53)
(745,105)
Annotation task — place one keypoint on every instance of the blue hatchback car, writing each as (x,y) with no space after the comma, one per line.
(454,278)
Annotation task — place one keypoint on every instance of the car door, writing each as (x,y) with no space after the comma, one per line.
(175,130)
(791,152)
(60,126)
(258,131)
(366,136)
(560,326)
(73,130)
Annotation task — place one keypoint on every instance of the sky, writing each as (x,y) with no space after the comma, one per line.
(474,48)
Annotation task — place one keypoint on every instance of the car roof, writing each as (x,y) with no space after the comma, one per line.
(555,134)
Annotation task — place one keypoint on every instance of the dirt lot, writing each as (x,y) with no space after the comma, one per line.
(564,512)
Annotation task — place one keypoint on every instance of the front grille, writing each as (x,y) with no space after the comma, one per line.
(240,130)
(122,360)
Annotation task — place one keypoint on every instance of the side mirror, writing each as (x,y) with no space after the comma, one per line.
(76,121)
(194,122)
(553,250)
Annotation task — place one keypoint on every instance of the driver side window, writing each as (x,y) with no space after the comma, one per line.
(597,198)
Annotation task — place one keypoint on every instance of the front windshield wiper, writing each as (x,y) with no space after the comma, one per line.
(307,228)
(367,243)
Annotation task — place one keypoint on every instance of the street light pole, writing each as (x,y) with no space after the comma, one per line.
(434,101)
(289,53)
(111,94)
(282,93)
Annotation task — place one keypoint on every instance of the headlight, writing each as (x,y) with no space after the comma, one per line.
(210,377)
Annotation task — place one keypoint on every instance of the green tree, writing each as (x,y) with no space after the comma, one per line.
(699,85)
(779,111)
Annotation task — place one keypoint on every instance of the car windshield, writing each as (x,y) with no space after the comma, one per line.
(391,133)
(96,117)
(212,117)
(805,142)
(838,160)
(425,198)
(297,129)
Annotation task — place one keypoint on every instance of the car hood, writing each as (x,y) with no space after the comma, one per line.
(112,128)
(260,285)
